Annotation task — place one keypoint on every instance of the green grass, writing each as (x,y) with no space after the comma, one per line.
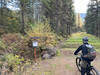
(58,53)
(76,40)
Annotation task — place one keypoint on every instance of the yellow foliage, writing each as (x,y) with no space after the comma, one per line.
(43,31)
(79,21)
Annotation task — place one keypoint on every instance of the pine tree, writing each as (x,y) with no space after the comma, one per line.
(92,23)
(61,15)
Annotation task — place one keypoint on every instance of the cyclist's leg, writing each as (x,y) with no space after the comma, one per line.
(82,71)
(89,64)
(84,63)
(83,67)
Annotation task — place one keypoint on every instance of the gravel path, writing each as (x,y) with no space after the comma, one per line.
(62,65)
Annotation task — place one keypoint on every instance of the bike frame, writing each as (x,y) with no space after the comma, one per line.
(89,68)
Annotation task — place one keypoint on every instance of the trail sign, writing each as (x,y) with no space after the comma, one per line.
(35,44)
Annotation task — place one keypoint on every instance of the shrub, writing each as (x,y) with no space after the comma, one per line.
(17,44)
(46,36)
(11,38)
(2,47)
(12,61)
(58,53)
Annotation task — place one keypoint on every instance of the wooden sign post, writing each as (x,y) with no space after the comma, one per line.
(35,45)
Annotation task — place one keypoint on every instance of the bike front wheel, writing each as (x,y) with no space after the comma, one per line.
(78,63)
(93,71)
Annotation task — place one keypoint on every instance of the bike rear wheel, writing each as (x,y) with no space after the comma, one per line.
(93,71)
(78,63)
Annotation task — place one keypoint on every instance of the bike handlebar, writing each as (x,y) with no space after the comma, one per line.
(79,54)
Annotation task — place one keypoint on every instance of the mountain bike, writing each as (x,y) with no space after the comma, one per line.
(89,68)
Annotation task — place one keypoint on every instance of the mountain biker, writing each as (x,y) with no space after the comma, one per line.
(84,57)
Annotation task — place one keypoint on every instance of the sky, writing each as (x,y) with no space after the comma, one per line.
(12,6)
(81,6)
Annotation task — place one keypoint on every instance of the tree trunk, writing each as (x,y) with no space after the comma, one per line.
(22,18)
(1,13)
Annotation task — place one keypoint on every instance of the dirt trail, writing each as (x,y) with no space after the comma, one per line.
(62,65)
